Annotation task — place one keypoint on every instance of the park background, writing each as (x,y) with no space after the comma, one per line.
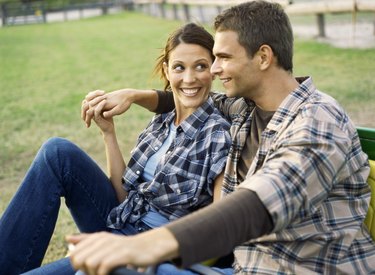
(47,69)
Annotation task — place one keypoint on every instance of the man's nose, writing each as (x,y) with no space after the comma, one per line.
(215,68)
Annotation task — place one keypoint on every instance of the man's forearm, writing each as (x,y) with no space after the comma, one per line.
(147,99)
(216,229)
(165,102)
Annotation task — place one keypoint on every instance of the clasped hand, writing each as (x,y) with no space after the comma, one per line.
(102,107)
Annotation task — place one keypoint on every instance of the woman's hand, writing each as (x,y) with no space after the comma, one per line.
(100,253)
(106,125)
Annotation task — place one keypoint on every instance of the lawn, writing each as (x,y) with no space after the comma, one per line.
(46,70)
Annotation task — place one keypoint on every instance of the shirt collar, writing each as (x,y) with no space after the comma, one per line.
(290,105)
(192,123)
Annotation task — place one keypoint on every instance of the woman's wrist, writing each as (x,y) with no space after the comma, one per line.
(108,134)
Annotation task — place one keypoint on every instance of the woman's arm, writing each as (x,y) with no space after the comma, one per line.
(218,183)
(115,160)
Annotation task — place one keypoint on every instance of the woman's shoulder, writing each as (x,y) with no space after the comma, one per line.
(215,125)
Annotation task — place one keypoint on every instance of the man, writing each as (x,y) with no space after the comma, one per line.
(296,173)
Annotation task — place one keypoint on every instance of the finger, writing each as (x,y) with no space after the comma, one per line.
(84,107)
(117,110)
(98,111)
(109,263)
(82,252)
(74,239)
(93,102)
(92,255)
(93,94)
(102,261)
(89,116)
(99,108)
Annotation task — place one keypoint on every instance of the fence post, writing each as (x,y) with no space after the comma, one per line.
(44,13)
(65,13)
(3,14)
(186,11)
(201,13)
(80,12)
(104,8)
(162,9)
(320,21)
(175,12)
(219,9)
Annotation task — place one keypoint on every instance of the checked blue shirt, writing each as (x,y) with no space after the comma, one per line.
(184,177)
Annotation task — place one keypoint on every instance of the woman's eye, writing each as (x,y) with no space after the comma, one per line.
(202,67)
(178,68)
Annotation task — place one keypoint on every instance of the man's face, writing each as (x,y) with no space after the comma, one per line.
(238,72)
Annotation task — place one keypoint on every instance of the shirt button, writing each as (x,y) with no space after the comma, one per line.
(156,148)
(138,172)
(178,191)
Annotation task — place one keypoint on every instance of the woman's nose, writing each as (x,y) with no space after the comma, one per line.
(189,77)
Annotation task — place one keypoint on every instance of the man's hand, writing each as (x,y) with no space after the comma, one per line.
(115,103)
(99,253)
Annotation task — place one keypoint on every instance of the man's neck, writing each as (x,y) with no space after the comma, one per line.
(276,88)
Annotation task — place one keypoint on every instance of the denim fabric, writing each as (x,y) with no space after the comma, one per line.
(63,266)
(170,269)
(60,267)
(60,170)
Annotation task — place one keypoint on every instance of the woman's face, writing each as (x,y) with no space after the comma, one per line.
(188,72)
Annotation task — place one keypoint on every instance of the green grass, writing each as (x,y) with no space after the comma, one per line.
(46,70)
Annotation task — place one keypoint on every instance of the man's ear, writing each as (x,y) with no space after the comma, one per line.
(266,57)
(165,70)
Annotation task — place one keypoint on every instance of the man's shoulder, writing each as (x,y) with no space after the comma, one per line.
(322,106)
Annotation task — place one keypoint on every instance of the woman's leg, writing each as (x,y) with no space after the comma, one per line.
(60,267)
(170,269)
(60,169)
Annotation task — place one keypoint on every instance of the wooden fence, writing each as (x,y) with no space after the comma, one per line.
(15,13)
(319,8)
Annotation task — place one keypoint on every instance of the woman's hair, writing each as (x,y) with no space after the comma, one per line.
(260,23)
(190,33)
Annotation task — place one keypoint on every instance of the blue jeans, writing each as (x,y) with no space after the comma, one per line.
(170,269)
(59,170)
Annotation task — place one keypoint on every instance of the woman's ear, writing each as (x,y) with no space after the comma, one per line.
(165,70)
(266,57)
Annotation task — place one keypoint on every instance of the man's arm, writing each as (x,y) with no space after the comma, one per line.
(215,230)
(227,106)
(99,253)
(207,233)
(117,102)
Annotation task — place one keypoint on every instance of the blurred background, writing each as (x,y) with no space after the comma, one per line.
(52,53)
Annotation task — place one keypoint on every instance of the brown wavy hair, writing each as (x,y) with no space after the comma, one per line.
(190,33)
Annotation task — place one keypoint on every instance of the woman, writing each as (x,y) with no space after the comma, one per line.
(173,170)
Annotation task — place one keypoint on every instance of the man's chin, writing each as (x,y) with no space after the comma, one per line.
(230,93)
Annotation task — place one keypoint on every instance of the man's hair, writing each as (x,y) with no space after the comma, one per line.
(260,23)
(190,33)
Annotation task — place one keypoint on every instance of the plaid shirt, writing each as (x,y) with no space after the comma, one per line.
(184,177)
(310,173)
